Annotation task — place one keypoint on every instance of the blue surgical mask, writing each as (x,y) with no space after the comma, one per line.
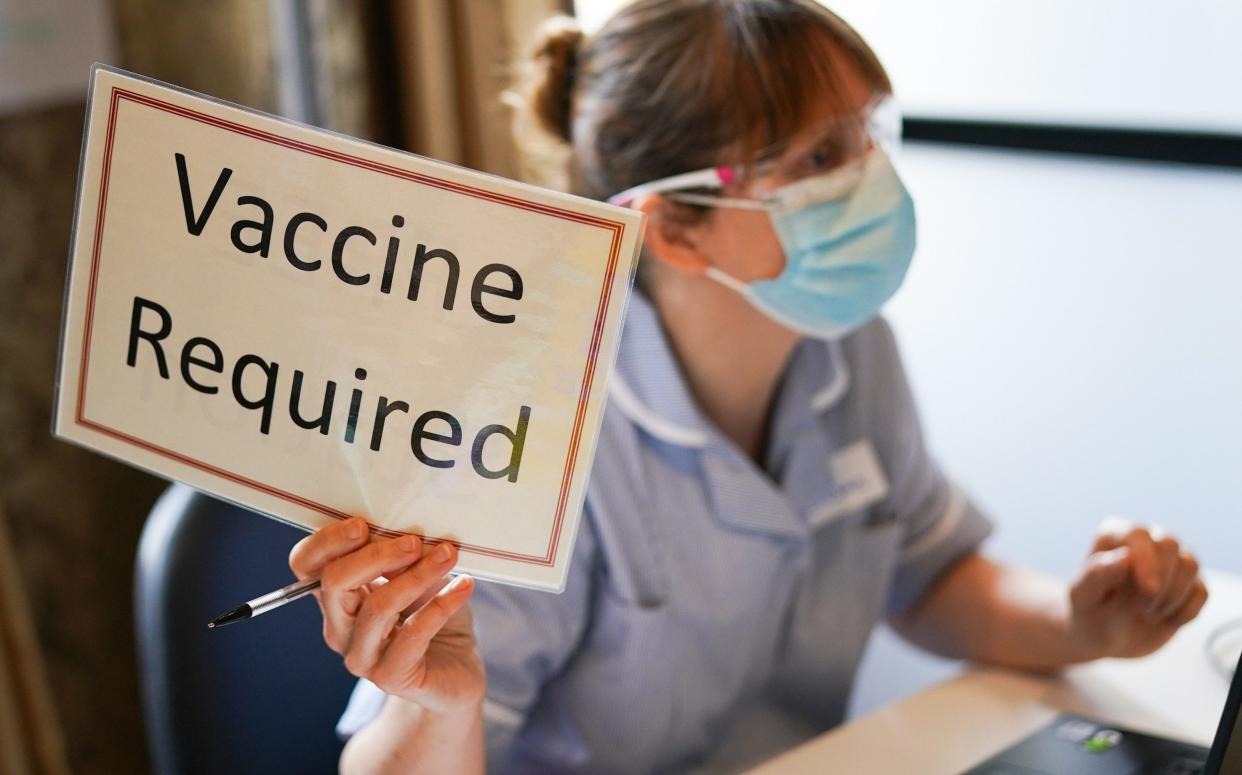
(847,243)
(848,235)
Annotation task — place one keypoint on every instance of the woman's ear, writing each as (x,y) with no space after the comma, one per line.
(669,241)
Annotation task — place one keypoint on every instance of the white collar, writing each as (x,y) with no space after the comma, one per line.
(647,384)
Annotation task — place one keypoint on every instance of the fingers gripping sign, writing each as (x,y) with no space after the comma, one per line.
(391,611)
(385,608)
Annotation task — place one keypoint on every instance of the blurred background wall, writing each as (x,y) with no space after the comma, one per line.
(1070,323)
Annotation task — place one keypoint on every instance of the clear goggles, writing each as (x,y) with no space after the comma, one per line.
(828,169)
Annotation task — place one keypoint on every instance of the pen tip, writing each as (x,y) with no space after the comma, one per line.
(228,617)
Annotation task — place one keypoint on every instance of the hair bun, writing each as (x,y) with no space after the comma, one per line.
(556,57)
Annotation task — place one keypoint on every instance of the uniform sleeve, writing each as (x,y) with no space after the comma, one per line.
(525,636)
(364,705)
(939,522)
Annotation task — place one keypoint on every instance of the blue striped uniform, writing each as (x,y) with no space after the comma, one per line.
(716,611)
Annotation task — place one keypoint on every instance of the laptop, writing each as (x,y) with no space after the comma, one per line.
(1073,745)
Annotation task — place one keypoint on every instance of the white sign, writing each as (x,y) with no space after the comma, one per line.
(317,327)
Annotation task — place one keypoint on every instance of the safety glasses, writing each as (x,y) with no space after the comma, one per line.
(830,167)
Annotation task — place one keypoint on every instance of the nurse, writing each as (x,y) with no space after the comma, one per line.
(762,495)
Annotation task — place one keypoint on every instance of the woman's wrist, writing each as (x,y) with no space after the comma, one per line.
(1078,646)
(408,712)
(1027,620)
(410,738)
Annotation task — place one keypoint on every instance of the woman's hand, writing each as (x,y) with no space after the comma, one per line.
(410,635)
(1137,587)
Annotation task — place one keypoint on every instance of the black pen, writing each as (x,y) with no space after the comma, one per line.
(265,603)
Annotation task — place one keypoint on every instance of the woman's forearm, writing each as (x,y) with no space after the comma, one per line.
(985,611)
(407,738)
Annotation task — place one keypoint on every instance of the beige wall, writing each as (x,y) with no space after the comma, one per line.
(74,517)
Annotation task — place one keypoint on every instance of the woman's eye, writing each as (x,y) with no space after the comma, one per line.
(822,158)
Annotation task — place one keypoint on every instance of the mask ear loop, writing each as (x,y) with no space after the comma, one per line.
(711,177)
(727,280)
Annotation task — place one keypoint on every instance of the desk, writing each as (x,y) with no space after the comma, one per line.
(948,728)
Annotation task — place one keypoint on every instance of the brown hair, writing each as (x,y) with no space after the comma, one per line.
(668,86)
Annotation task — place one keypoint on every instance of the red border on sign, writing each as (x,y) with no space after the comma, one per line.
(588,375)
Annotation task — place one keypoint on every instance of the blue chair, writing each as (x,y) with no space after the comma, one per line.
(259,696)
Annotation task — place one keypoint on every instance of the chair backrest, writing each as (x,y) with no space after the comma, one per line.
(258,696)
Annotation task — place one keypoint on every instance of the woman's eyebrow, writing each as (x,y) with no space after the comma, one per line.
(795,154)
(781,152)
(834,129)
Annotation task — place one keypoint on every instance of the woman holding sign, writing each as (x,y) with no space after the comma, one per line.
(762,495)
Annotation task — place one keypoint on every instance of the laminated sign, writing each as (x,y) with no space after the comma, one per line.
(317,327)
